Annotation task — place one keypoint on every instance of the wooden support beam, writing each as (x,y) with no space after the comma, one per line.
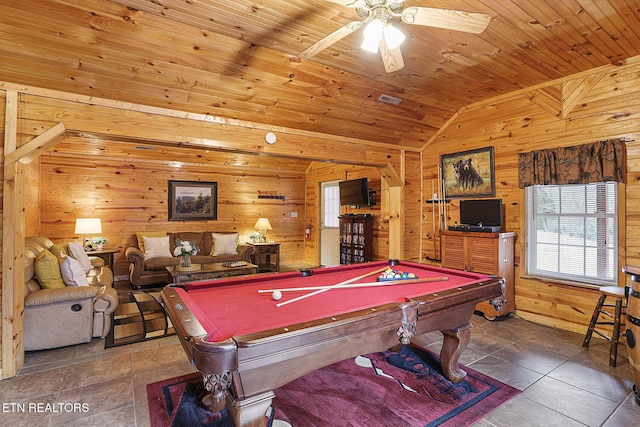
(38,145)
(13,226)
(13,229)
(389,174)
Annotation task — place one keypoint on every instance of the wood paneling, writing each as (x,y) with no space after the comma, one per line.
(513,124)
(410,211)
(202,82)
(130,194)
(412,207)
(32,197)
(319,173)
(237,59)
(111,120)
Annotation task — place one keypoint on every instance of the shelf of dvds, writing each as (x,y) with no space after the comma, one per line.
(356,239)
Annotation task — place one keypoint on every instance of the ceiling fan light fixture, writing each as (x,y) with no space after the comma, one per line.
(376,15)
(372,36)
(393,36)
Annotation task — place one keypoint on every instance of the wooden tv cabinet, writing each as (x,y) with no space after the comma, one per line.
(489,253)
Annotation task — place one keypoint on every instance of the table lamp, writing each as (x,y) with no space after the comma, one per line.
(86,226)
(263,225)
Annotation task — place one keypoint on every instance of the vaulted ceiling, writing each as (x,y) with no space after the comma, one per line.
(237,59)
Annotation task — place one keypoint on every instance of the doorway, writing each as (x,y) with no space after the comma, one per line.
(329,223)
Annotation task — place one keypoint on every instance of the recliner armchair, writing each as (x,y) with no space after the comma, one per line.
(70,315)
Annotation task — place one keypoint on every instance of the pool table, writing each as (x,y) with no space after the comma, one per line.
(246,344)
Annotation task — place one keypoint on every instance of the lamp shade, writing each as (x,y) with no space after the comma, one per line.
(88,226)
(392,36)
(262,224)
(372,35)
(374,32)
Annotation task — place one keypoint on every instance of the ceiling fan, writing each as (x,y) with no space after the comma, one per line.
(379,33)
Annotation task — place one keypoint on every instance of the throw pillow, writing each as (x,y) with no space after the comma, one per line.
(48,271)
(77,251)
(156,247)
(141,234)
(72,272)
(224,244)
(60,249)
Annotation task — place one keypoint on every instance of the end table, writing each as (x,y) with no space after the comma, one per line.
(267,256)
(106,254)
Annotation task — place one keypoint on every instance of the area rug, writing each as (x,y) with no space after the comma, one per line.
(394,389)
(139,317)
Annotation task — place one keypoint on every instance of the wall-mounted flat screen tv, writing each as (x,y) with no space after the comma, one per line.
(481,211)
(354,192)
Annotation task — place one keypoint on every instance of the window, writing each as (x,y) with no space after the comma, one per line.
(331,207)
(572,232)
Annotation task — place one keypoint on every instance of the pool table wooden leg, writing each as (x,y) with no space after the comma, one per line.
(455,341)
(217,386)
(250,412)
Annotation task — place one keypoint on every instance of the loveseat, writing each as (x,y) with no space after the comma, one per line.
(148,265)
(72,311)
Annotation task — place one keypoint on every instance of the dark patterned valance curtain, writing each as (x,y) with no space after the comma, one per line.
(582,164)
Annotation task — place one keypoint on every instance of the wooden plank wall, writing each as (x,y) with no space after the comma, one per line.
(318,173)
(32,197)
(322,172)
(131,195)
(535,119)
(105,176)
(413,206)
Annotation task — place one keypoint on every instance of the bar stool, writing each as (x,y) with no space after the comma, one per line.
(615,319)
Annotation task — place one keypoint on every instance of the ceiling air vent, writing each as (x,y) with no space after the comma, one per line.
(144,147)
(389,99)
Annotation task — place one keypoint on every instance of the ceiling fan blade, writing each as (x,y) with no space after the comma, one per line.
(330,39)
(391,58)
(468,22)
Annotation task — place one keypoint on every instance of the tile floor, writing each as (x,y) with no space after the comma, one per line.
(562,383)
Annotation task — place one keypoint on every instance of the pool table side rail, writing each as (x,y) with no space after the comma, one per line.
(268,362)
(317,272)
(347,335)
(193,337)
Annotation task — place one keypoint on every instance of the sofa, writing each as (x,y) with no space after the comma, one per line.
(58,314)
(148,265)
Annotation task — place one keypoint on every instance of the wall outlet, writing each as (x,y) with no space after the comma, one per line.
(294,214)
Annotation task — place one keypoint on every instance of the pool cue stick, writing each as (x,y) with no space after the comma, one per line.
(361,285)
(433,217)
(346,282)
(444,205)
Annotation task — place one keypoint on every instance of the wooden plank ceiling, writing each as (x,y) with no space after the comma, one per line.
(237,59)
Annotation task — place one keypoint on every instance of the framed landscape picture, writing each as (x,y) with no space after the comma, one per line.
(193,200)
(468,173)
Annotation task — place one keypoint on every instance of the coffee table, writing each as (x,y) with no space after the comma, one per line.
(210,271)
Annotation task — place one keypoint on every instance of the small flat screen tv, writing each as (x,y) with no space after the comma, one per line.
(481,211)
(354,192)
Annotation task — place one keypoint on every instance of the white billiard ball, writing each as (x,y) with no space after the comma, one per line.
(276,295)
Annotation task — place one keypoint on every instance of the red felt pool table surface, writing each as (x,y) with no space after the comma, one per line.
(246,346)
(232,307)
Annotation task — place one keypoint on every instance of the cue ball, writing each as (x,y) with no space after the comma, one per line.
(276,295)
